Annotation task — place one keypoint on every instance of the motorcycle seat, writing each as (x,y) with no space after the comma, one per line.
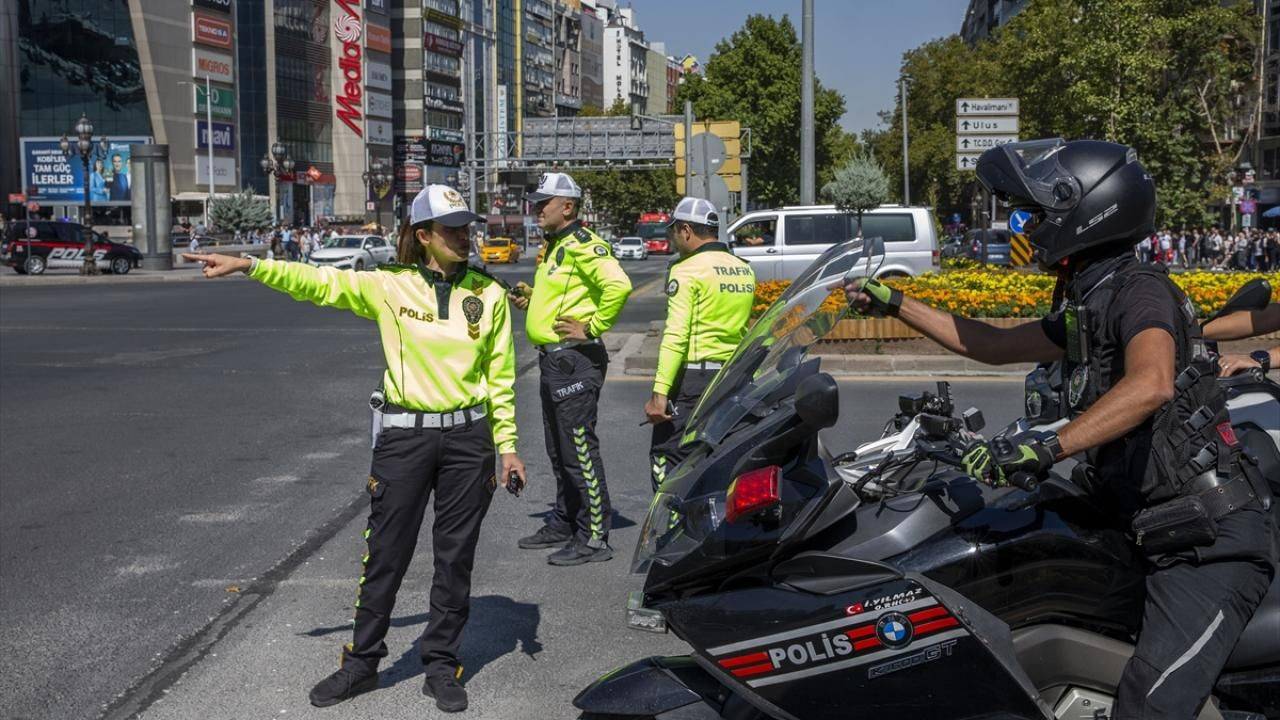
(1259,644)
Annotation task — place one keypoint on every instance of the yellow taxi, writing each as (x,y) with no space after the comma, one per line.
(500,250)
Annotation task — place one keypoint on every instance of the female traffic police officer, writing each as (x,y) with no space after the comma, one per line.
(447,399)
(709,295)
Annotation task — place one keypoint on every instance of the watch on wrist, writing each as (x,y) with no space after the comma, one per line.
(1263,358)
(1051,442)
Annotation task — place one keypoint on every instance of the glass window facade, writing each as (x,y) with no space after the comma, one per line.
(79,56)
(303,106)
(251,98)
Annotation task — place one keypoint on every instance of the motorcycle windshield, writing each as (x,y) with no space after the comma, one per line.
(775,345)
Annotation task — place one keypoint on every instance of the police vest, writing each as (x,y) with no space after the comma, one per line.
(1185,438)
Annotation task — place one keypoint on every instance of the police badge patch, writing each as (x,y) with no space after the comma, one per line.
(560,256)
(600,250)
(673,287)
(1075,387)
(472,309)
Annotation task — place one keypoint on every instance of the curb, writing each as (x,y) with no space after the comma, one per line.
(860,365)
(143,276)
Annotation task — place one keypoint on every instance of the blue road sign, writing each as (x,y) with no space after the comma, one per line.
(1017,219)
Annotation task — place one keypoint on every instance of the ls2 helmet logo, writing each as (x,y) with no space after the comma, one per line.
(894,630)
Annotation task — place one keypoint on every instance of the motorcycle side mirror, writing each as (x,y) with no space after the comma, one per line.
(973,420)
(818,401)
(1253,295)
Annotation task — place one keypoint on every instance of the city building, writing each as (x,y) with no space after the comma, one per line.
(625,60)
(566,45)
(657,102)
(1267,157)
(591,48)
(983,16)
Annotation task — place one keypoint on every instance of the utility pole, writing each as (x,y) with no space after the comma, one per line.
(208,124)
(906,167)
(688,147)
(806,107)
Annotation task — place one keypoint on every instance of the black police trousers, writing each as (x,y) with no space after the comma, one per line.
(1194,614)
(664,448)
(457,465)
(570,387)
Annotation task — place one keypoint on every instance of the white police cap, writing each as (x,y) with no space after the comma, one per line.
(696,210)
(555,185)
(442,204)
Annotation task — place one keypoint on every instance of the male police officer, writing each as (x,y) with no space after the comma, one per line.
(709,296)
(579,289)
(1144,410)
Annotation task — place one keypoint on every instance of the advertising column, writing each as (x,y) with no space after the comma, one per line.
(348,82)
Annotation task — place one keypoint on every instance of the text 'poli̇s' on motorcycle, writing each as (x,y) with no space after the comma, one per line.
(883,582)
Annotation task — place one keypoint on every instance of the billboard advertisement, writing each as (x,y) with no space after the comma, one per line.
(378,104)
(445,154)
(55,179)
(224,136)
(377,75)
(377,37)
(211,30)
(224,101)
(379,131)
(224,171)
(223,5)
(216,65)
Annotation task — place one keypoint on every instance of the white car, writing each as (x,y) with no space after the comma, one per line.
(631,248)
(354,252)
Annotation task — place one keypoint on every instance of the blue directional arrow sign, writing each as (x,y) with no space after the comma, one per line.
(1018,219)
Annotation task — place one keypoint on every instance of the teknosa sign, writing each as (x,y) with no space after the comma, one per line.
(347,29)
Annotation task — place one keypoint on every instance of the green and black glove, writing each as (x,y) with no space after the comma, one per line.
(884,299)
(995,462)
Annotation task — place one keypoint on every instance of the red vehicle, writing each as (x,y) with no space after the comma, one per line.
(652,228)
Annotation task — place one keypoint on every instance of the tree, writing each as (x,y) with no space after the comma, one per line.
(857,187)
(1175,79)
(241,212)
(754,77)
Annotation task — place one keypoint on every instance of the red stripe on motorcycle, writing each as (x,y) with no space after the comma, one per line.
(936,625)
(933,612)
(860,632)
(745,659)
(753,670)
(865,644)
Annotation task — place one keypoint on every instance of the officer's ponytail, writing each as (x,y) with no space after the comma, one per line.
(408,250)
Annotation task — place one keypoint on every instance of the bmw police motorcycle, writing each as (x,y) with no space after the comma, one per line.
(884,582)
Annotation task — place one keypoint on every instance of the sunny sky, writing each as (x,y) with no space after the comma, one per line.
(858,48)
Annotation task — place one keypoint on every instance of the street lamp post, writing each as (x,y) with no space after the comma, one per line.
(88,151)
(277,164)
(376,181)
(903,83)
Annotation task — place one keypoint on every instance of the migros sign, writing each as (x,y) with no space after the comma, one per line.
(347,29)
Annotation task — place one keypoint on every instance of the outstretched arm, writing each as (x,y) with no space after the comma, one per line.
(971,338)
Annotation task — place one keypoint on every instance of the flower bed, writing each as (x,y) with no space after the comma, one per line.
(1012,294)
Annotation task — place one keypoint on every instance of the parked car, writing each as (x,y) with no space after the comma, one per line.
(500,250)
(781,243)
(61,244)
(354,252)
(630,248)
(997,246)
(954,247)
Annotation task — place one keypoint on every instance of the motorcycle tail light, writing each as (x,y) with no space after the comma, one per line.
(753,491)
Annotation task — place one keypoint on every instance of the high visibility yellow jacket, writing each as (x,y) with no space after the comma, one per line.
(447,341)
(709,298)
(577,277)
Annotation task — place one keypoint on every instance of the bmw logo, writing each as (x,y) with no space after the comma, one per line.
(894,630)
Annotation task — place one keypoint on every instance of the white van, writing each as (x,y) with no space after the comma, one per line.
(781,243)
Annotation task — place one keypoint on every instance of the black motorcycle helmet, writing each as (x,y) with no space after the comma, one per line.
(1081,194)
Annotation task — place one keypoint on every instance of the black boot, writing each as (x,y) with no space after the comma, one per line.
(546,537)
(342,685)
(448,692)
(578,553)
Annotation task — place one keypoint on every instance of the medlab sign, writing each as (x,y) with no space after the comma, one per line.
(348,31)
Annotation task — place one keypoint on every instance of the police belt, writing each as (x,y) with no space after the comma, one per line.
(557,347)
(1221,495)
(403,418)
(703,365)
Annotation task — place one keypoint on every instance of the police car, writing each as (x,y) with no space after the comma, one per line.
(32,246)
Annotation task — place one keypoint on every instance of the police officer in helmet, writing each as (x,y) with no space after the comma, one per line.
(1143,409)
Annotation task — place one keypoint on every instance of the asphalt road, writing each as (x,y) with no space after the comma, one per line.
(181,502)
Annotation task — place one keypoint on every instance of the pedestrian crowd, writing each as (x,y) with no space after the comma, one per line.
(1213,248)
